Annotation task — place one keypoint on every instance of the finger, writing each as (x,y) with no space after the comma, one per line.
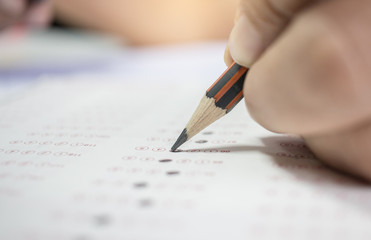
(315,77)
(348,150)
(257,24)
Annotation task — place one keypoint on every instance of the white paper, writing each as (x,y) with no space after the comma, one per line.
(86,157)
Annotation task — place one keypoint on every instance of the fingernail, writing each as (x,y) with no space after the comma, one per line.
(244,42)
(227,57)
(11,7)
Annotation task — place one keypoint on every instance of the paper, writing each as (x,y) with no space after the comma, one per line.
(86,157)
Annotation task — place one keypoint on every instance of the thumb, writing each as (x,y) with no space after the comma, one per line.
(257,24)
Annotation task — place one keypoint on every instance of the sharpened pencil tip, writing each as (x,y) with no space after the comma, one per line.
(183,137)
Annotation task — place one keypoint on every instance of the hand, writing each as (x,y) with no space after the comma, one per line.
(36,13)
(310,73)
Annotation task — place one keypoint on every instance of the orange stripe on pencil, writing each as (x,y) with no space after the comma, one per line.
(229,84)
(235,100)
(221,76)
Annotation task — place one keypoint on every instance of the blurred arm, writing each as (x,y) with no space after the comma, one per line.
(151,21)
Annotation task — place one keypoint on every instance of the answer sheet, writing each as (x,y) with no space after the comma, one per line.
(86,157)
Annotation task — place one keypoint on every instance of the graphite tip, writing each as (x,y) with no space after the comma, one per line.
(183,137)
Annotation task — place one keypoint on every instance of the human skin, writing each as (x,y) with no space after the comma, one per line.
(310,74)
(136,22)
(143,22)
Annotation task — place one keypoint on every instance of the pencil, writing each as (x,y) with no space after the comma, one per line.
(219,99)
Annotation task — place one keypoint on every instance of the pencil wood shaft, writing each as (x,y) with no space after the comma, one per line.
(220,98)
